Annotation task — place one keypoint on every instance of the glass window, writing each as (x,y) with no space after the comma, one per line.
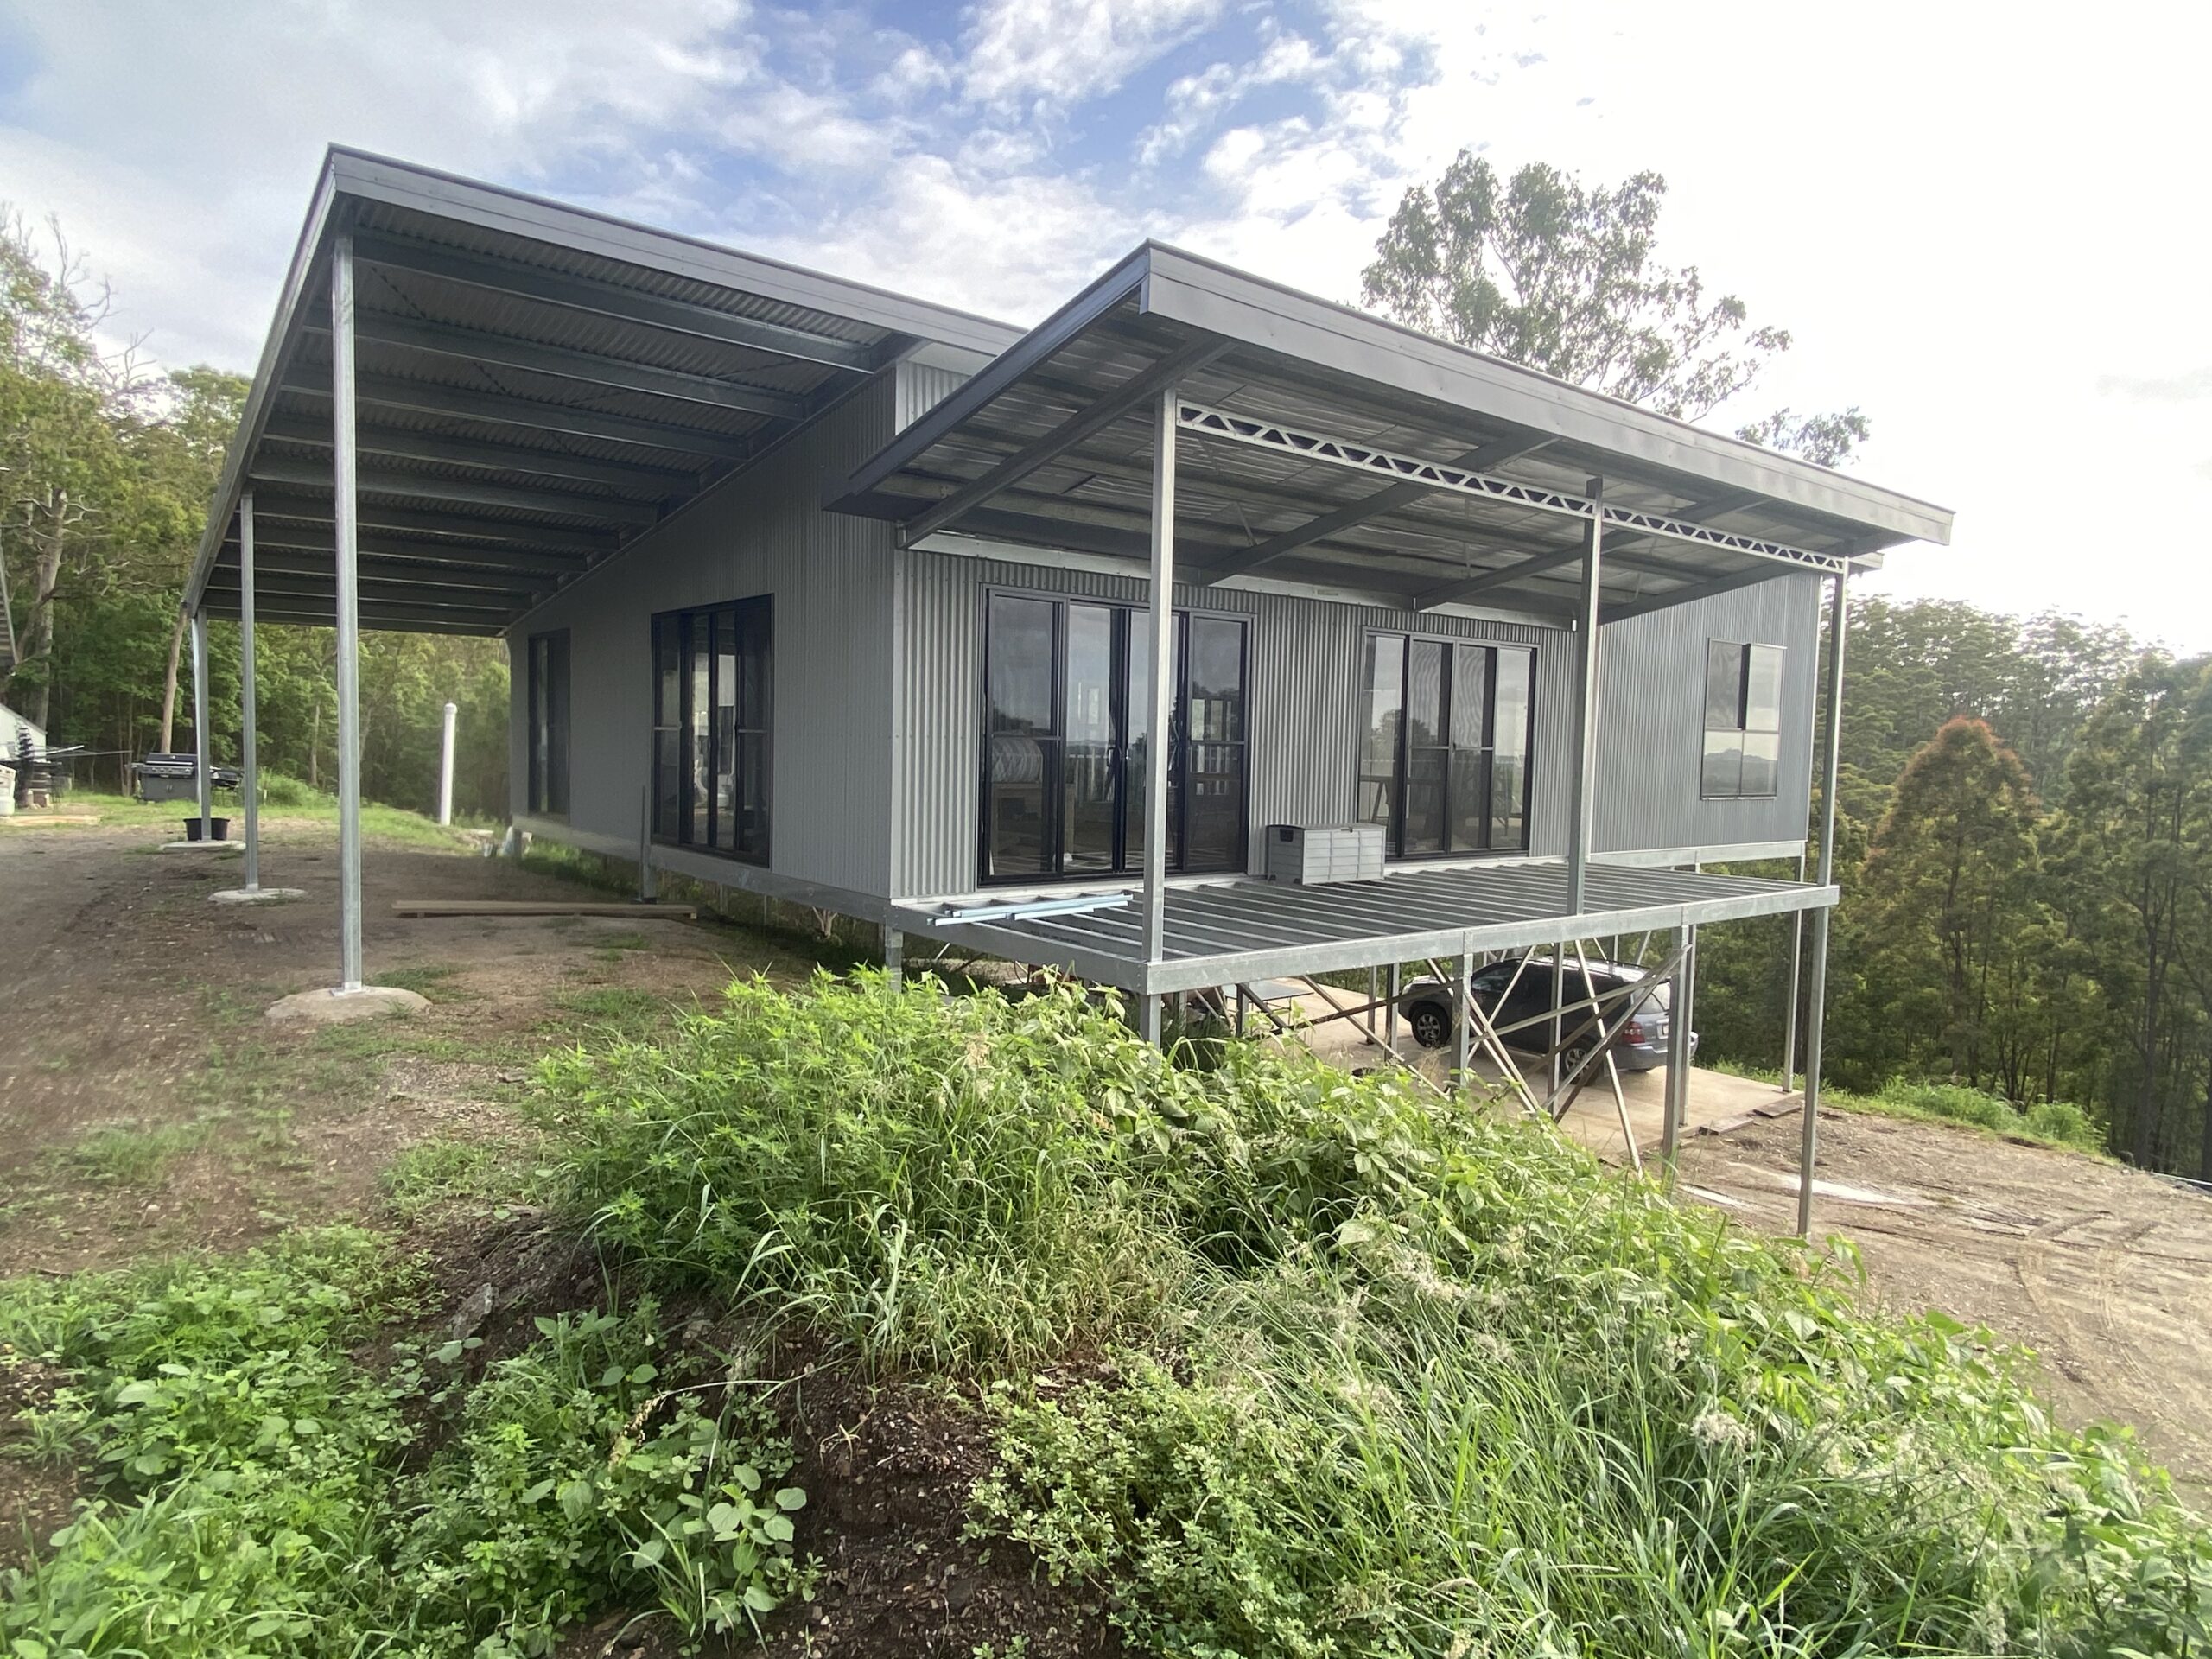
(1443,744)
(710,757)
(1743,721)
(1068,706)
(549,724)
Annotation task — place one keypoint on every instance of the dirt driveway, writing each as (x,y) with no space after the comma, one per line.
(145,1105)
(2105,1272)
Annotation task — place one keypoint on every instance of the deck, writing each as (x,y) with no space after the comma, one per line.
(1237,931)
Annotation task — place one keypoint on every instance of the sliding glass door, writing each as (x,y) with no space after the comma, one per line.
(1067,710)
(1443,744)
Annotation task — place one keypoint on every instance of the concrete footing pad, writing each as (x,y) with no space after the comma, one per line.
(203,846)
(340,1008)
(256,896)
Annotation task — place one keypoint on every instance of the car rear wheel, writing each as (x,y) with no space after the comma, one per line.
(1432,1025)
(1570,1057)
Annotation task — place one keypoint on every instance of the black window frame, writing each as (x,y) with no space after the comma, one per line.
(683,814)
(1394,826)
(1129,617)
(1739,658)
(547,706)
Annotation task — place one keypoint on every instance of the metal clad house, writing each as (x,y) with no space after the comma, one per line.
(828,593)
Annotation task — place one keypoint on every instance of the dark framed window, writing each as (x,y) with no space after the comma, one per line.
(712,694)
(1443,741)
(1067,705)
(1743,721)
(548,693)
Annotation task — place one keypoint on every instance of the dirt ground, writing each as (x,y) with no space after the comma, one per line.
(2105,1272)
(145,1106)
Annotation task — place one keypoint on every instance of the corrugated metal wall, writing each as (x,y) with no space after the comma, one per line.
(1306,668)
(764,532)
(1651,720)
(1305,678)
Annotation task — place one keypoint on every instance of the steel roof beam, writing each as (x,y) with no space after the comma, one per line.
(492,457)
(504,498)
(566,363)
(503,409)
(404,519)
(299,604)
(1359,512)
(626,304)
(226,606)
(405,573)
(1082,425)
(292,538)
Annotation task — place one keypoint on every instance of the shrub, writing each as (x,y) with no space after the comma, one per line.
(935,1180)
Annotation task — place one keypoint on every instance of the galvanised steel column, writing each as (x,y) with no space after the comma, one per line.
(203,759)
(1789,1016)
(445,766)
(1582,775)
(1816,1007)
(1462,1076)
(1674,1102)
(1159,611)
(249,757)
(345,517)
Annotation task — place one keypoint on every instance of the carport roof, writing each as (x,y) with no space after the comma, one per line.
(537,385)
(1325,446)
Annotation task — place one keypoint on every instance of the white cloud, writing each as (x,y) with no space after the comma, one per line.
(1057,52)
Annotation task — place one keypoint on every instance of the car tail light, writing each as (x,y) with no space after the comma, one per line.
(1632,1031)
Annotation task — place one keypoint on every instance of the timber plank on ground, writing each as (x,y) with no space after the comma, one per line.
(542,907)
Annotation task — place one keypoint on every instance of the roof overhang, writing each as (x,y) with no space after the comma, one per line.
(1330,447)
(537,386)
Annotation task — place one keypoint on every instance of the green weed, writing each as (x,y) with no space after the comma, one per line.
(437,1174)
(260,1489)
(129,1154)
(421,978)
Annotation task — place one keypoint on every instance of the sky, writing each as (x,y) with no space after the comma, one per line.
(1982,226)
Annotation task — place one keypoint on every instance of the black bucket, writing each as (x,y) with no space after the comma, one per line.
(217,828)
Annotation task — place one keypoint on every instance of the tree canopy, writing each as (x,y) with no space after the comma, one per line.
(1543,269)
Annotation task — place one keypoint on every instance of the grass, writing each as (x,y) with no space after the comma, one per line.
(422,978)
(436,1175)
(391,824)
(2056,1123)
(129,1154)
(1382,1375)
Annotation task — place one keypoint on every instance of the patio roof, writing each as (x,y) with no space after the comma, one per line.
(1329,447)
(537,385)
(1236,932)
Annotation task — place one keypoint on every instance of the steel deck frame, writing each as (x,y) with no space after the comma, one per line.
(1234,932)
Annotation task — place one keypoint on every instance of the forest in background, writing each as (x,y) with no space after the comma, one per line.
(107,470)
(2025,806)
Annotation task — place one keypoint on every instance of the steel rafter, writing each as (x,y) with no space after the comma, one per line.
(535,414)
(386,481)
(1293,444)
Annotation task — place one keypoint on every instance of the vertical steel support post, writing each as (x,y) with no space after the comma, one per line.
(1160,613)
(1816,1003)
(1390,1013)
(1674,1107)
(203,760)
(445,766)
(249,750)
(894,956)
(1582,777)
(1789,1015)
(1462,1070)
(345,518)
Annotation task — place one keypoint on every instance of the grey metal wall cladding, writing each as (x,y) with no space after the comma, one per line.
(1651,704)
(1306,667)
(922,388)
(830,578)
(1305,676)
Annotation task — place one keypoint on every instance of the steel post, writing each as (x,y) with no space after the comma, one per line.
(1462,1072)
(1789,1015)
(1582,773)
(1816,1002)
(445,766)
(203,761)
(346,525)
(1159,613)
(248,752)
(894,956)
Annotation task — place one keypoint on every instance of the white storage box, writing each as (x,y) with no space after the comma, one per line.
(1312,856)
